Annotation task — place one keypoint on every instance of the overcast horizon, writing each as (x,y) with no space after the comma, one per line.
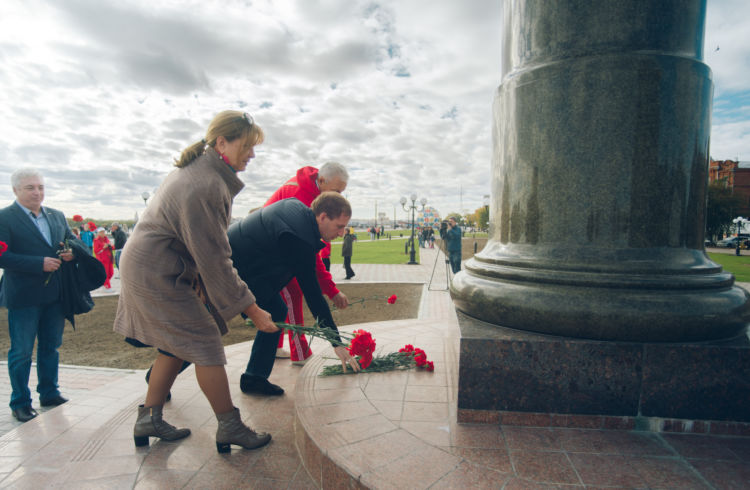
(102,95)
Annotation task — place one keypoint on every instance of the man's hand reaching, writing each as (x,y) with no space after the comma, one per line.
(340,301)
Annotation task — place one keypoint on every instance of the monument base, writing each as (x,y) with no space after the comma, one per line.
(512,375)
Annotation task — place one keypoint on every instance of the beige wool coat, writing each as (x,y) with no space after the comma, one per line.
(181,235)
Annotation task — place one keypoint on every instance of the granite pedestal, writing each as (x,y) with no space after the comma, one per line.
(507,371)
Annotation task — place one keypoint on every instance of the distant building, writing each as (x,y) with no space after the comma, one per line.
(736,176)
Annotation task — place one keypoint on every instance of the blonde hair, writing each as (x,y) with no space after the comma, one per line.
(229,124)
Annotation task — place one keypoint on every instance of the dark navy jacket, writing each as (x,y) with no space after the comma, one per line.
(272,245)
(23,279)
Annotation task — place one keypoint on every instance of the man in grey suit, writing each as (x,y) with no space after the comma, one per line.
(31,290)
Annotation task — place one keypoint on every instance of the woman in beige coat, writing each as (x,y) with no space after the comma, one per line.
(178,286)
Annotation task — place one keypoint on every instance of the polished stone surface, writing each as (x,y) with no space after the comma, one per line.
(602,125)
(517,371)
(512,370)
(714,387)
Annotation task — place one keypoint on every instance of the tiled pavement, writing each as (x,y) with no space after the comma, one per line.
(383,430)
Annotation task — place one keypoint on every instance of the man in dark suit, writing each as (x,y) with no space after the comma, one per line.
(269,247)
(31,290)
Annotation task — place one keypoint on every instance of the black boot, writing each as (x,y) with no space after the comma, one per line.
(258,385)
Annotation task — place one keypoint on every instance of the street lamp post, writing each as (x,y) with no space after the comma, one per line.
(145,197)
(413,207)
(740,222)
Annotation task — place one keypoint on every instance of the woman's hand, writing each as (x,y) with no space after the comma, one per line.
(346,358)
(261,319)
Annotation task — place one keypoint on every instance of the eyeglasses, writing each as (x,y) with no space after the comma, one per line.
(247,117)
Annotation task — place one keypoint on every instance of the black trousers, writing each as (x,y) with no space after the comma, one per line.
(348,266)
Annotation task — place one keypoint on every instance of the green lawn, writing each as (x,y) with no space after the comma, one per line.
(739,266)
(386,251)
(363,235)
(381,251)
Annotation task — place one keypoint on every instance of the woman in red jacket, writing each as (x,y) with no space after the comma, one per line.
(103,252)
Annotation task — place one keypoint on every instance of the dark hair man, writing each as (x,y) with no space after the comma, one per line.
(272,245)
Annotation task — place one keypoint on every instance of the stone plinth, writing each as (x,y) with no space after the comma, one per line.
(502,369)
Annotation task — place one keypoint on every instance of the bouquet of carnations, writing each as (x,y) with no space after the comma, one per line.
(361,345)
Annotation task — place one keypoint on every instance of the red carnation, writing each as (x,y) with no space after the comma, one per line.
(365,361)
(420,357)
(392,299)
(430,366)
(408,348)
(77,218)
(362,345)
(91,225)
(3,247)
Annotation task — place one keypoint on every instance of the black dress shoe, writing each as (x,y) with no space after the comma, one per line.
(24,414)
(258,385)
(53,402)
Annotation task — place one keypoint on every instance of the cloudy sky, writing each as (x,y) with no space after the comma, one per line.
(101,95)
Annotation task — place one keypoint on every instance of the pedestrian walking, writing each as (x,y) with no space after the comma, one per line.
(347,249)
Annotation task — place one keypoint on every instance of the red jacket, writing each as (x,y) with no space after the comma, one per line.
(304,187)
(325,252)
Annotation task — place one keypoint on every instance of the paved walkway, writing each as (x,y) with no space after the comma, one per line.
(382,430)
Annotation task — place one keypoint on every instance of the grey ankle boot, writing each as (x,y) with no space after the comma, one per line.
(232,431)
(150,424)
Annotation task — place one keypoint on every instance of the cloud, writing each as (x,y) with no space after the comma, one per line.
(103,95)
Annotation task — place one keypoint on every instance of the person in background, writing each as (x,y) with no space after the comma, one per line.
(32,291)
(87,237)
(76,232)
(346,251)
(120,238)
(178,286)
(103,252)
(453,244)
(305,186)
